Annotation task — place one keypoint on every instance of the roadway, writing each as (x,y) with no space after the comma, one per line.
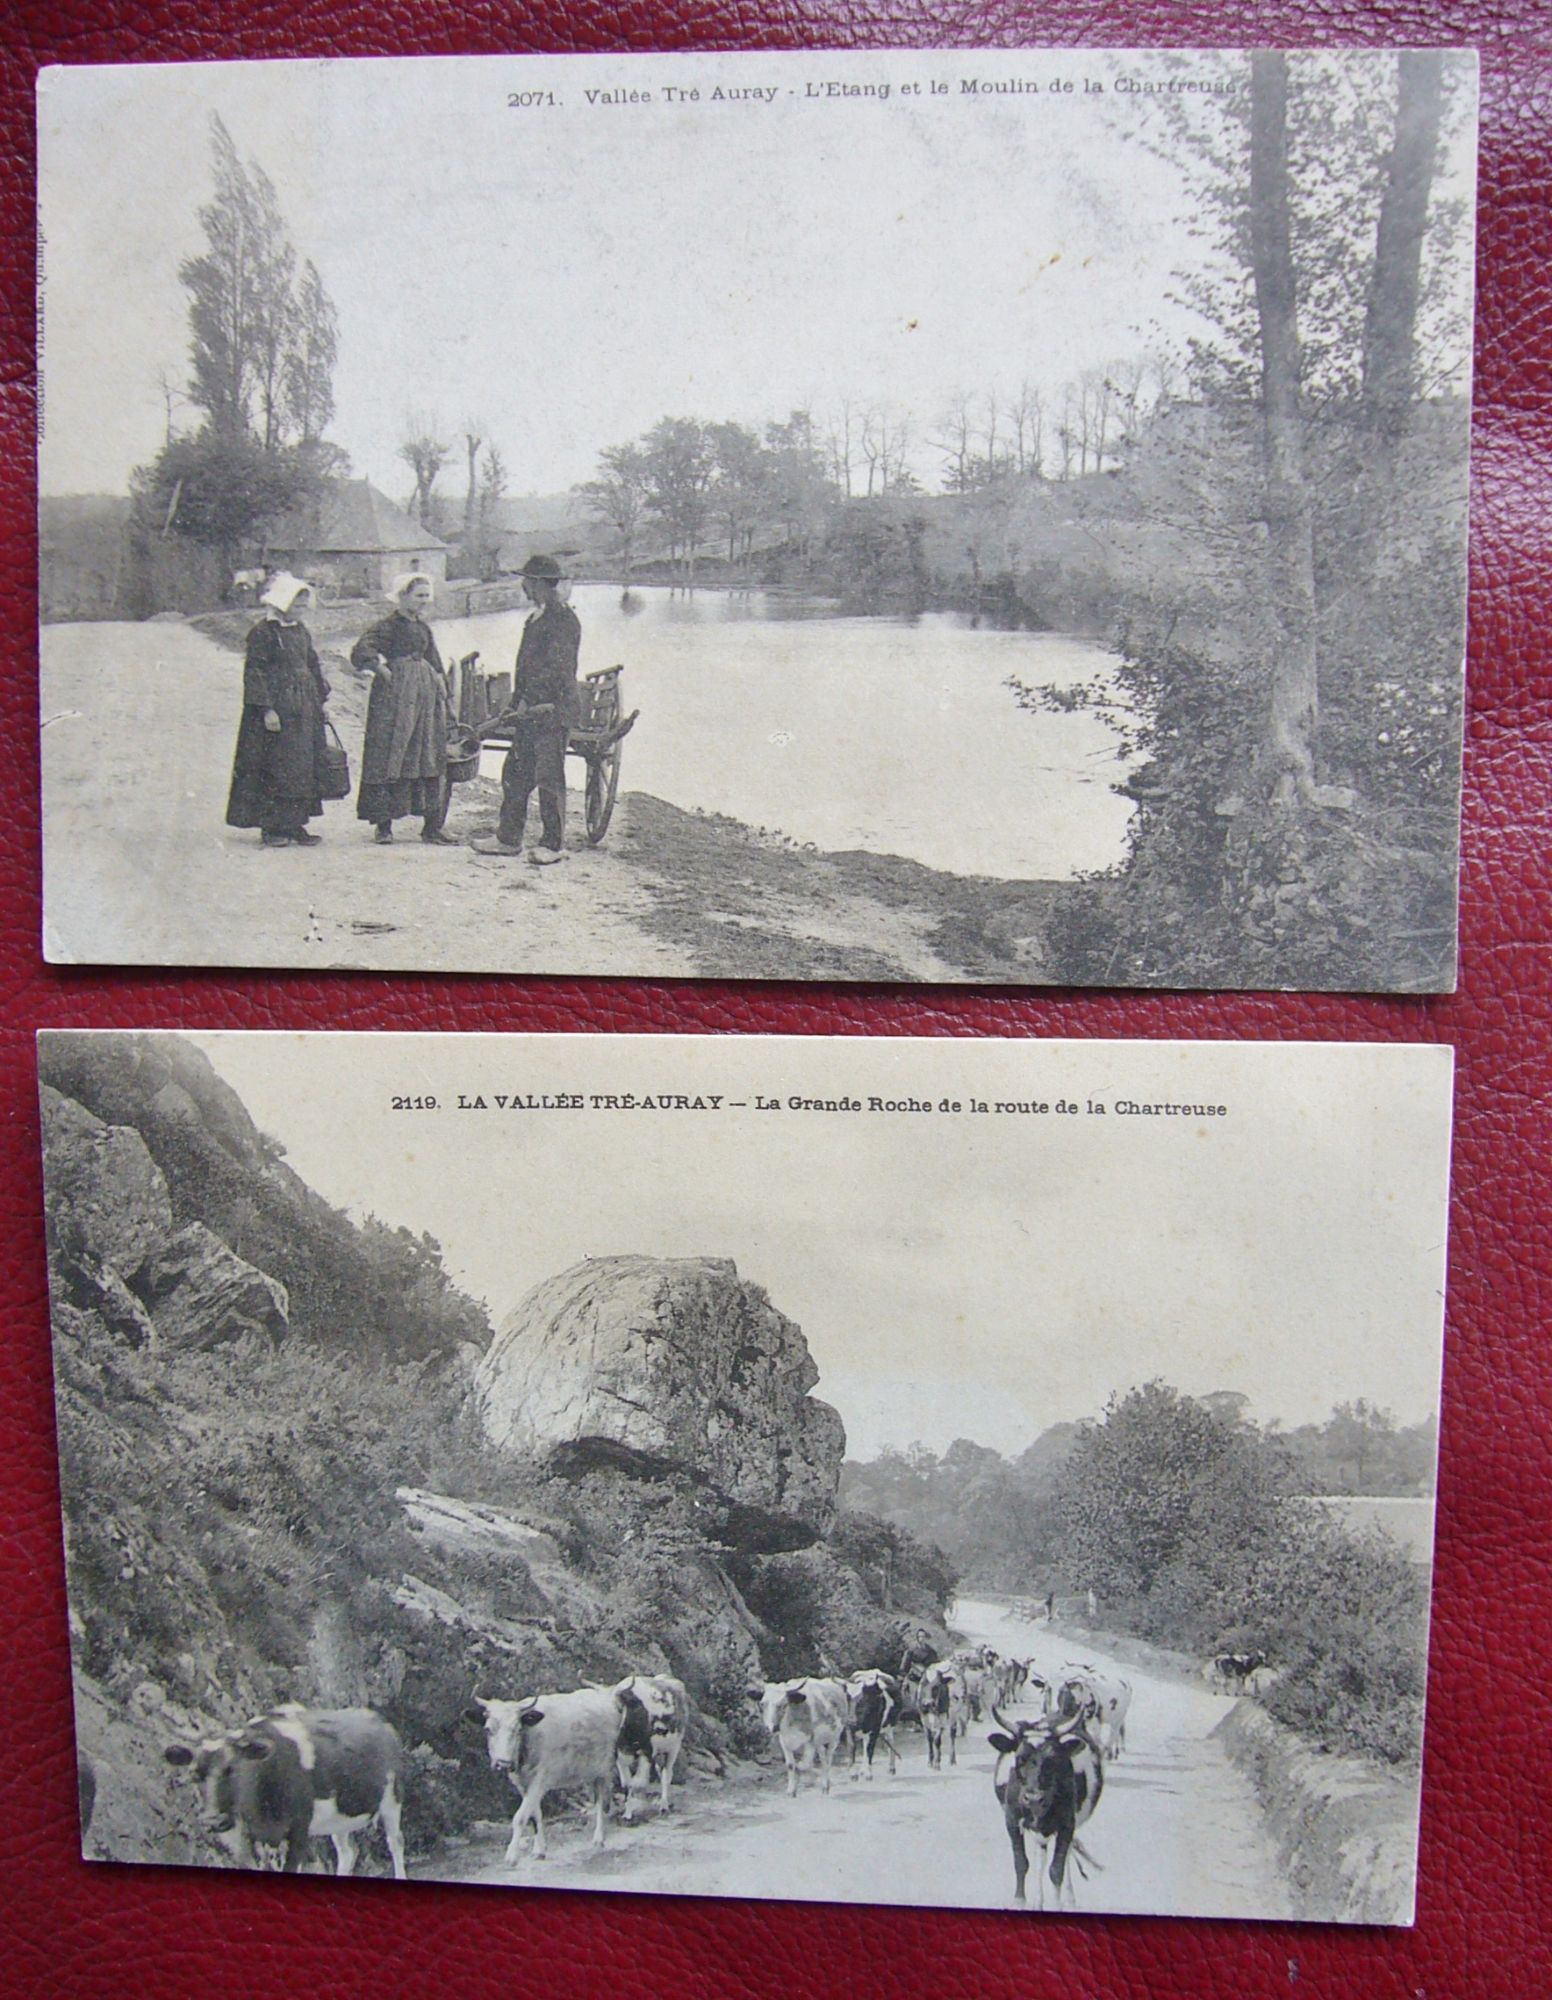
(1177,1830)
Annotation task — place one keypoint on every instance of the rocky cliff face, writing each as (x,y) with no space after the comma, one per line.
(670,1365)
(114,1249)
(144,1139)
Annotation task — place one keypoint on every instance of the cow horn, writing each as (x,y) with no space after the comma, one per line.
(1014,1728)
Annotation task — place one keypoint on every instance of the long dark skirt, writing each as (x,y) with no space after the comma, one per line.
(404,755)
(277,775)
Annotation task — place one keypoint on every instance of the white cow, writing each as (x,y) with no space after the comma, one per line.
(655,1710)
(1102,1701)
(546,1741)
(808,1718)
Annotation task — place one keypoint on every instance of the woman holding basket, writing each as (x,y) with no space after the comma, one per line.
(278,776)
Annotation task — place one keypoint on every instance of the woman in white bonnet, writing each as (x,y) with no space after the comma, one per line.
(277,773)
(404,756)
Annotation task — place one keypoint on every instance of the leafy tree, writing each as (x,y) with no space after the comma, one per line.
(261,363)
(1345,1617)
(678,465)
(223,285)
(1285,554)
(274,306)
(309,378)
(738,493)
(618,496)
(218,490)
(1161,1482)
(797,489)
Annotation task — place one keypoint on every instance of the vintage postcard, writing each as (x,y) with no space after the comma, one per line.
(972,1473)
(941,516)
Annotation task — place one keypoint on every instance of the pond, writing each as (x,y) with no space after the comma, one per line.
(893,735)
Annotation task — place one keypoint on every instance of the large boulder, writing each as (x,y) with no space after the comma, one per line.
(105,1194)
(676,1364)
(202,1294)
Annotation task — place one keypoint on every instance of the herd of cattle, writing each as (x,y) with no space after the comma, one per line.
(297,1774)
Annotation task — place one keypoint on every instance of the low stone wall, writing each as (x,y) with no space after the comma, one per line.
(1345,1828)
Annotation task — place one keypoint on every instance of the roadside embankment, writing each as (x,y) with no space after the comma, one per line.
(1345,1828)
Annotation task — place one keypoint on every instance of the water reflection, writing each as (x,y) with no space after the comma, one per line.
(895,735)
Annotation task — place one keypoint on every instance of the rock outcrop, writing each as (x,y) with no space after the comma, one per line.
(114,1250)
(102,1177)
(670,1365)
(123,1077)
(142,1136)
(202,1294)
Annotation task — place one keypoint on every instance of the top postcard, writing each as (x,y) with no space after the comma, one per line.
(960,516)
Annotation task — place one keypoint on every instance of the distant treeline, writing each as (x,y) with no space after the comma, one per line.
(1184,1519)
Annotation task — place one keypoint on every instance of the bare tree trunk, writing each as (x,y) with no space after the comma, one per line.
(1294,708)
(472,447)
(1390,323)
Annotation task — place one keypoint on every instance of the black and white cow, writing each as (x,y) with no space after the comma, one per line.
(875,1703)
(654,1713)
(943,1711)
(1048,1782)
(1234,1670)
(298,1774)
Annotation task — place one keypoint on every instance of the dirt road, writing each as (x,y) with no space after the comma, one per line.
(139,867)
(1177,1829)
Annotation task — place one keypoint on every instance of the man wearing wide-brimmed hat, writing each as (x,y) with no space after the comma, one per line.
(543,710)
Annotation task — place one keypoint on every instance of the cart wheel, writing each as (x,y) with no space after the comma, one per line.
(603,784)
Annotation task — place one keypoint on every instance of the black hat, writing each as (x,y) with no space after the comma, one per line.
(543,569)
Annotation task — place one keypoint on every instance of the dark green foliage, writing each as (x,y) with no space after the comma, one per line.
(817,1617)
(217,490)
(1164,1487)
(1222,882)
(261,358)
(1178,1517)
(899,1572)
(872,556)
(1178,1512)
(1290,592)
(1351,1618)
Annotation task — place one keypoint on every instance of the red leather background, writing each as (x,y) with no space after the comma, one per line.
(1484,1908)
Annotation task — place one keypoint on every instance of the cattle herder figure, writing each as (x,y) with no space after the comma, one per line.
(543,711)
(919,1654)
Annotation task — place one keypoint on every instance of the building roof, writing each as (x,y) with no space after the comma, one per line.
(353,518)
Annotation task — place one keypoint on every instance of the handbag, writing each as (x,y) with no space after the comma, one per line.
(336,765)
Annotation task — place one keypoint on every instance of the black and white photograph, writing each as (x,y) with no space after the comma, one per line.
(991,517)
(984,1474)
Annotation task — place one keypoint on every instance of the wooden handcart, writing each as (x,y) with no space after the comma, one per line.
(596,736)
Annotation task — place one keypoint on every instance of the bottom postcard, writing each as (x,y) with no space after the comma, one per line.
(975,1473)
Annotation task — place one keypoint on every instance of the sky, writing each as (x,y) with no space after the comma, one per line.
(978,1275)
(571,272)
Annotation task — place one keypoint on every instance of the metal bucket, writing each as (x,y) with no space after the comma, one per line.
(463,755)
